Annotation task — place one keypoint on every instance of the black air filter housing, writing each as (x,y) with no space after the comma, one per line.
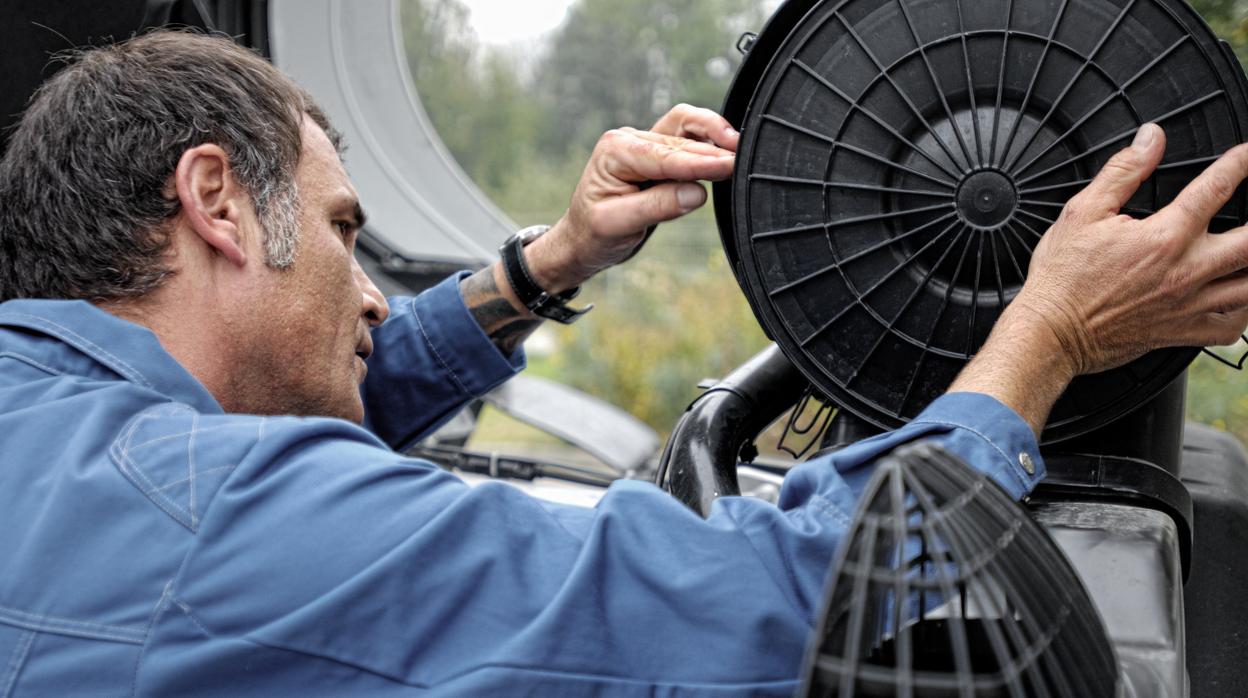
(900,160)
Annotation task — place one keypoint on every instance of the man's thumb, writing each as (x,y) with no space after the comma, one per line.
(1118,181)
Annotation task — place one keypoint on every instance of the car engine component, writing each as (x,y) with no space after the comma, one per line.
(900,160)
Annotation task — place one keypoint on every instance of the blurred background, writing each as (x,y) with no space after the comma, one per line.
(520,92)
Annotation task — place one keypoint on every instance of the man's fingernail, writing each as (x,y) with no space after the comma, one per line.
(690,196)
(731,131)
(1145,137)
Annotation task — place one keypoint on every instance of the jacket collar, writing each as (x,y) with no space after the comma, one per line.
(130,350)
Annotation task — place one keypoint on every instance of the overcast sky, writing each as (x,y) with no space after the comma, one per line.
(511,22)
(506,22)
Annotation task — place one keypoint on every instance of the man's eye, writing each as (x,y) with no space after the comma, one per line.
(345,229)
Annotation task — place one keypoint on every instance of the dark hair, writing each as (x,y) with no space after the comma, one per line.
(84,186)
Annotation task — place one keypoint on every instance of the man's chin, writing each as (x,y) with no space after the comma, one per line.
(344,402)
(354,412)
(351,409)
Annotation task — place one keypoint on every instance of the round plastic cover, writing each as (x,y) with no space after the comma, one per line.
(900,160)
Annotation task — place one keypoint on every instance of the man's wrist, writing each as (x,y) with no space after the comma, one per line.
(1024,365)
(1023,324)
(553,263)
(505,289)
(535,296)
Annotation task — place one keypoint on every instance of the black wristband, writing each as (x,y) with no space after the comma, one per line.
(537,300)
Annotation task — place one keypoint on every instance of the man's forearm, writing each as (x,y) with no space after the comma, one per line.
(497,309)
(1022,365)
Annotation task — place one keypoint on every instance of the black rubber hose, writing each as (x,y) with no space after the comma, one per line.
(699,463)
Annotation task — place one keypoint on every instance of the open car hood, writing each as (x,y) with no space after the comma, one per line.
(350,57)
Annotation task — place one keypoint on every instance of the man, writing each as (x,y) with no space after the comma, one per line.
(159,536)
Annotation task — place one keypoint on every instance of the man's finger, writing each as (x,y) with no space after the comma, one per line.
(1228,294)
(631,158)
(1196,205)
(632,212)
(694,122)
(690,145)
(1221,254)
(1217,329)
(1119,179)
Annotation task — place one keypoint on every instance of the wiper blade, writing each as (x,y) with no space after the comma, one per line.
(497,465)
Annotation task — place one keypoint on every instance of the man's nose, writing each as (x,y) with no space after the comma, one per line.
(376,309)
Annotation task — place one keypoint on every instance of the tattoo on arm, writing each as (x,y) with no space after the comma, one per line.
(505,326)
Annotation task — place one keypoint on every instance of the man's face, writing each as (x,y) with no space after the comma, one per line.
(309,338)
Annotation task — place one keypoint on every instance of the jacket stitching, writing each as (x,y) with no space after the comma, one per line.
(200,473)
(1009,462)
(148,488)
(37,617)
(190,461)
(17,661)
(134,427)
(69,626)
(451,372)
(27,360)
(120,453)
(831,509)
(186,611)
(157,613)
(122,367)
(171,437)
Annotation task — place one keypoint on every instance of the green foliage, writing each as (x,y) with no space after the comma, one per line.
(473,97)
(547,185)
(1218,405)
(1229,20)
(672,316)
(658,335)
(1216,394)
(521,137)
(609,68)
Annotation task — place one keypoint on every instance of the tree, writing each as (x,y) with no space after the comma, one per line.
(612,64)
(471,93)
(1229,19)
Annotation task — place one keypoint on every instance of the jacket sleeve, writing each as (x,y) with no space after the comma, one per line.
(328,560)
(430,358)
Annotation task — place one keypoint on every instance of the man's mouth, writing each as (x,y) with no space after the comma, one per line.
(364,348)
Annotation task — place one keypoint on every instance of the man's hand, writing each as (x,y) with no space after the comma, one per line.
(634,180)
(614,203)
(1112,287)
(1103,288)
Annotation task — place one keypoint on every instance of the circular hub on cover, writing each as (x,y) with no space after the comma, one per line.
(900,159)
(986,199)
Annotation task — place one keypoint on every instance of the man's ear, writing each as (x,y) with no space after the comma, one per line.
(212,200)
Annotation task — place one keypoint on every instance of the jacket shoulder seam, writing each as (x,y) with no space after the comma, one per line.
(30,362)
(120,451)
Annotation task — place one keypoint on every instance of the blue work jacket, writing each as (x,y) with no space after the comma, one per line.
(152,544)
